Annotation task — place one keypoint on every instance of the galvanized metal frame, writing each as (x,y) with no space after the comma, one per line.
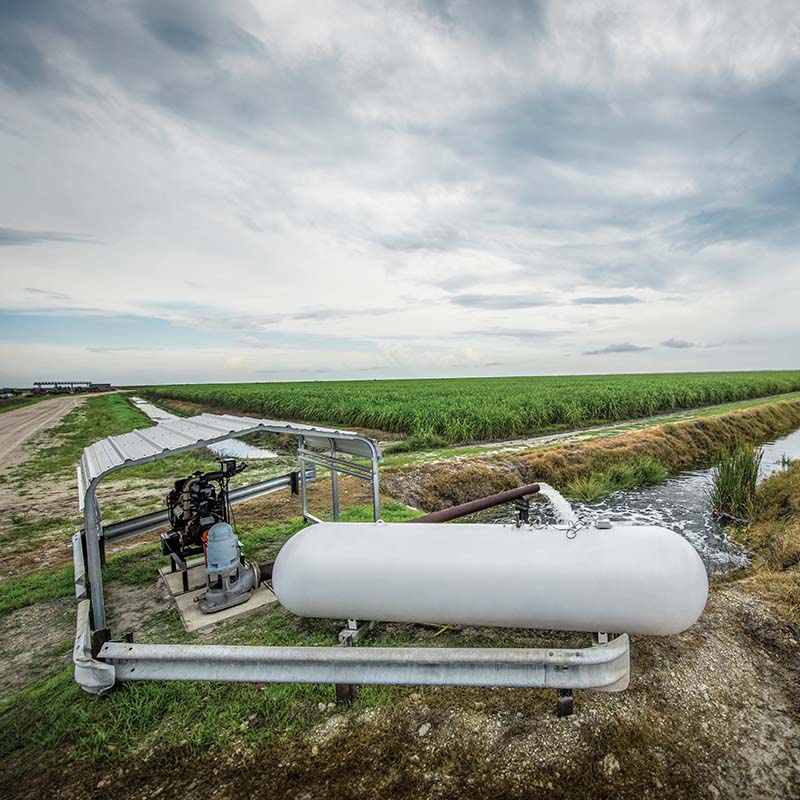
(182,435)
(100,663)
(135,526)
(336,464)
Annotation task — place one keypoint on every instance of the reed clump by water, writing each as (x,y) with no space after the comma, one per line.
(734,482)
(619,477)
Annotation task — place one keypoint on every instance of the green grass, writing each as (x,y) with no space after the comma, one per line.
(139,566)
(774,541)
(18,402)
(417,442)
(96,418)
(734,482)
(620,477)
(131,568)
(53,712)
(23,532)
(34,588)
(466,410)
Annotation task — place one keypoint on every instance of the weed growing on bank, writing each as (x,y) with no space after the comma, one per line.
(620,477)
(734,481)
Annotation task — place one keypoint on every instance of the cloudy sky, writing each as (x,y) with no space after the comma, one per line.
(312,190)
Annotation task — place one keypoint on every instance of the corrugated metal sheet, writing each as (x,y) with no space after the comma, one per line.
(141,446)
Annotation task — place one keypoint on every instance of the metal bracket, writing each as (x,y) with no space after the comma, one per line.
(355,631)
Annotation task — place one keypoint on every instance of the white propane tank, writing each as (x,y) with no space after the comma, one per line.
(625,579)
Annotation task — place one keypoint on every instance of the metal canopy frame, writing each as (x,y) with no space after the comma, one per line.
(167,438)
(100,663)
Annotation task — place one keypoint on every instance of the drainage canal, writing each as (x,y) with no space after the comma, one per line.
(680,503)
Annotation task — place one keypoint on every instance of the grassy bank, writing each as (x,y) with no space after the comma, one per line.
(591,467)
(774,539)
(448,411)
(619,477)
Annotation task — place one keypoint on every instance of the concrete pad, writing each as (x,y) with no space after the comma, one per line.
(192,617)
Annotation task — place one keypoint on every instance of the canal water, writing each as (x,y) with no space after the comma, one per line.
(680,503)
(230,448)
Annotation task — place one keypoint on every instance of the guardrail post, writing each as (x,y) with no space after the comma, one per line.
(334,483)
(345,692)
(92,528)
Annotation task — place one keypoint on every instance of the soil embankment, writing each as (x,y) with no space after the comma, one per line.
(677,446)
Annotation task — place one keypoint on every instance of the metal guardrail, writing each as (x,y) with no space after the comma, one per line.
(127,529)
(605,667)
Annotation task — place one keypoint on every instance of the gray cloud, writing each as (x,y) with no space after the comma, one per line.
(608,300)
(531,156)
(218,319)
(435,240)
(512,333)
(21,65)
(13,237)
(124,348)
(60,297)
(623,347)
(500,301)
(205,31)
(315,371)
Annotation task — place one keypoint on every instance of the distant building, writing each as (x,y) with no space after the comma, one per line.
(69,387)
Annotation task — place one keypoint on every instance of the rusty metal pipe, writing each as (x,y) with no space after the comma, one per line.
(454,512)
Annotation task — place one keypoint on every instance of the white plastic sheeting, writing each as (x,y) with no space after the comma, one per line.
(635,579)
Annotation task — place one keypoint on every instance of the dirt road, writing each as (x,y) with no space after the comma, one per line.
(19,425)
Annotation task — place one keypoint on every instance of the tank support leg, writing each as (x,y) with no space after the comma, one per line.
(355,631)
(564,703)
(349,636)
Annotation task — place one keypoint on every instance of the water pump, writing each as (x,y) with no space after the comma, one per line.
(200,515)
(230,580)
